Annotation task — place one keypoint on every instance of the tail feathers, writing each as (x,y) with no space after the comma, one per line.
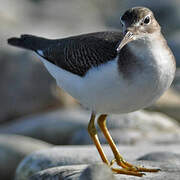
(29,42)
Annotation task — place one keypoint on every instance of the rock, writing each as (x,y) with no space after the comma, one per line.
(26,18)
(143,121)
(168,104)
(70,127)
(25,15)
(123,136)
(174,43)
(162,157)
(134,128)
(58,156)
(55,127)
(65,160)
(13,149)
(56,173)
(73,172)
(26,86)
(97,172)
(76,172)
(168,171)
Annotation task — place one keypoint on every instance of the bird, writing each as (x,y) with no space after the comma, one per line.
(110,72)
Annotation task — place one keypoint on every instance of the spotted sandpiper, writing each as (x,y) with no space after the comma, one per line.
(110,72)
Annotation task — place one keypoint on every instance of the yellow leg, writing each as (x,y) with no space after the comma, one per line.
(93,133)
(118,157)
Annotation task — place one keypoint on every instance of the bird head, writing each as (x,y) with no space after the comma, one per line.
(137,23)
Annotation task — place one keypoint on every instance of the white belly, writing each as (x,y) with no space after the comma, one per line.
(104,90)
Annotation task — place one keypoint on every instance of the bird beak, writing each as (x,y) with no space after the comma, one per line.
(128,37)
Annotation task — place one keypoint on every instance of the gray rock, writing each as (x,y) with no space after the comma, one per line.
(64,18)
(13,149)
(124,136)
(58,156)
(169,103)
(70,127)
(75,155)
(69,19)
(97,172)
(135,127)
(162,138)
(144,121)
(162,157)
(26,86)
(76,172)
(168,171)
(55,127)
(57,173)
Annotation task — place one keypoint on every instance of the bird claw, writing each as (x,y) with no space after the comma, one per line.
(127,172)
(130,169)
(112,162)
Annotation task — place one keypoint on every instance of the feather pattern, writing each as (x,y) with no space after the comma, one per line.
(76,54)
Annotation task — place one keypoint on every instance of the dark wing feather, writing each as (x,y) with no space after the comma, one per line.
(78,54)
(75,54)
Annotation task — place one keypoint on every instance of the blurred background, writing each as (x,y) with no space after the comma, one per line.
(32,106)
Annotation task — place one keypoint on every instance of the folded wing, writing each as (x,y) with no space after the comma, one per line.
(75,54)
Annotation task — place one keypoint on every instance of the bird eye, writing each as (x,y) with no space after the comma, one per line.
(147,20)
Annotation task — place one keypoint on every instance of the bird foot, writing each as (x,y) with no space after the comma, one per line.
(127,172)
(130,169)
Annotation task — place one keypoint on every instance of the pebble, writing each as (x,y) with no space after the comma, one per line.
(13,148)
